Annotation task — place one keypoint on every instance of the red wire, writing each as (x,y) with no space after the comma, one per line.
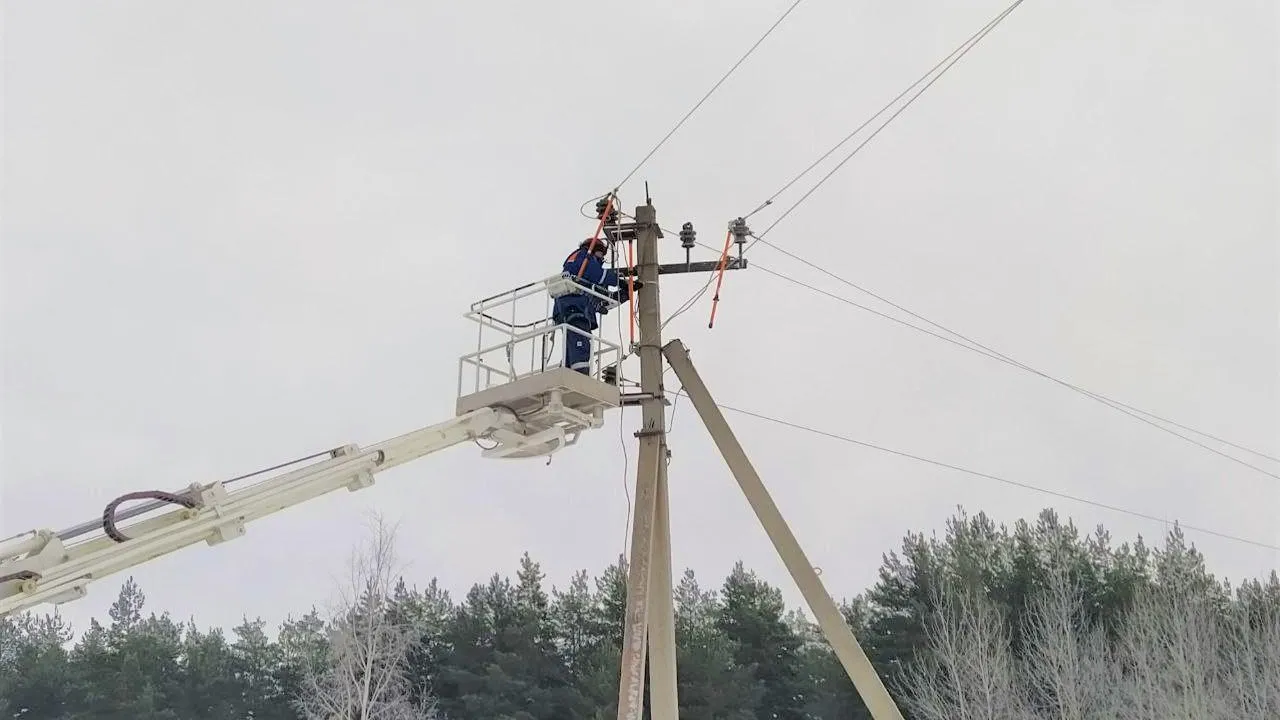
(724,259)
(600,226)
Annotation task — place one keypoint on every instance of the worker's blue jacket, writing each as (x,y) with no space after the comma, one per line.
(596,276)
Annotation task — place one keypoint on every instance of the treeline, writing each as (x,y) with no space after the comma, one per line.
(1028,622)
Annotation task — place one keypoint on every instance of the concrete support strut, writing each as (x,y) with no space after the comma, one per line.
(846,647)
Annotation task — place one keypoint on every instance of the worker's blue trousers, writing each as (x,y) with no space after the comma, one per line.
(577,347)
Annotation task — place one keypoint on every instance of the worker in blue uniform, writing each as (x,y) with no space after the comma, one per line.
(581,311)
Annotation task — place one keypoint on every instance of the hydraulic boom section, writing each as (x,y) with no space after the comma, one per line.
(43,566)
(518,397)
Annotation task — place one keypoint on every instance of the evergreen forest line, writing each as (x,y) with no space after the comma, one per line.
(513,648)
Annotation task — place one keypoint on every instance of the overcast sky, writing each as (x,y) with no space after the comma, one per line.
(240,232)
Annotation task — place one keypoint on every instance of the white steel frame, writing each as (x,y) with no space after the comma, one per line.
(490,315)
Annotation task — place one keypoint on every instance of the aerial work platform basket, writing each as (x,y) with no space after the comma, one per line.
(518,364)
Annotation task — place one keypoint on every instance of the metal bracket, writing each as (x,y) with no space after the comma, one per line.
(639,398)
(701,266)
(628,230)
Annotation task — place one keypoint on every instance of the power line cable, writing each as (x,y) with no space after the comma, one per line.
(946,63)
(867,122)
(1005,358)
(949,61)
(709,93)
(989,476)
(981,349)
(955,57)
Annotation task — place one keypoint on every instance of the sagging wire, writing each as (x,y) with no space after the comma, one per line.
(622,410)
(688,304)
(962,341)
(988,476)
(626,476)
(582,209)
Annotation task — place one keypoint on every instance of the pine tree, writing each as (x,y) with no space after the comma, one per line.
(712,685)
(751,618)
(33,666)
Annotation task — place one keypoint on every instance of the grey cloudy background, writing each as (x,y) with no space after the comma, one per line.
(239,232)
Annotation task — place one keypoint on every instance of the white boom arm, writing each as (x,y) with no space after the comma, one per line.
(44,566)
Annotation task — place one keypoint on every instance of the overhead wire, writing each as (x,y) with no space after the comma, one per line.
(975,346)
(687,305)
(946,64)
(988,476)
(707,96)
(937,71)
(626,473)
(865,123)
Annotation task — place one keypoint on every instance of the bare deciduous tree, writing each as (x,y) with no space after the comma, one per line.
(1252,651)
(1170,646)
(1175,654)
(1068,668)
(967,671)
(364,676)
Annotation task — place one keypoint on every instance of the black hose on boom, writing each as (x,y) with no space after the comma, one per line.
(109,514)
(186,500)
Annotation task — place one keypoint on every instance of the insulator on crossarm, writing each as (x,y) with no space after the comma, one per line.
(688,236)
(601,204)
(740,233)
(688,239)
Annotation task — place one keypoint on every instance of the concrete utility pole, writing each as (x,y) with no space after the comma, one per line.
(649,570)
(649,630)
